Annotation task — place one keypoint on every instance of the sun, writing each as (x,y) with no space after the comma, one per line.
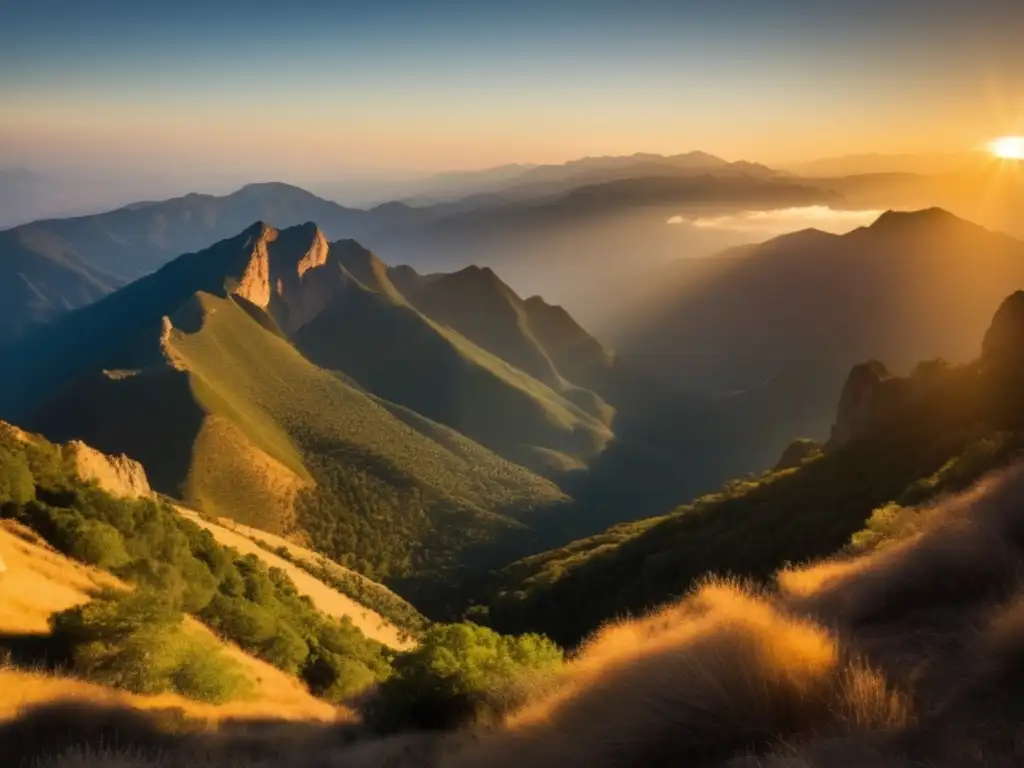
(1008,147)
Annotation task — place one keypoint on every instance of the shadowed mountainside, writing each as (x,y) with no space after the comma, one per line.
(42,277)
(898,442)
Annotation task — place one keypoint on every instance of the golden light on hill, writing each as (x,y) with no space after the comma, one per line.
(1008,147)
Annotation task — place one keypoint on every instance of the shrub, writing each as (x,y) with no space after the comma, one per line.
(99,544)
(16,483)
(463,673)
(137,641)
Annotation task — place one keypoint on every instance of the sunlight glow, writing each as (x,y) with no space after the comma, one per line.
(1008,147)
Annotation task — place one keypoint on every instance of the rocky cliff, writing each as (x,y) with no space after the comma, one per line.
(290,273)
(117,475)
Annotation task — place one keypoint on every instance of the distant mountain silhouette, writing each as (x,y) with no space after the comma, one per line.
(910,286)
(518,182)
(799,310)
(141,237)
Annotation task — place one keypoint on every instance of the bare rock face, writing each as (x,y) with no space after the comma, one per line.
(117,475)
(858,404)
(290,273)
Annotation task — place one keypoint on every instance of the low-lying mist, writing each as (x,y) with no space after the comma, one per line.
(778,221)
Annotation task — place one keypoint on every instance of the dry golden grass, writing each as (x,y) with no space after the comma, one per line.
(326,599)
(969,554)
(275,698)
(40,581)
(736,677)
(724,671)
(244,478)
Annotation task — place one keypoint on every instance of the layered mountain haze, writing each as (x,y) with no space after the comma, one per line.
(911,286)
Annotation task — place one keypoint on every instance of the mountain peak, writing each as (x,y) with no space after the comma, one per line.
(925,217)
(274,275)
(270,189)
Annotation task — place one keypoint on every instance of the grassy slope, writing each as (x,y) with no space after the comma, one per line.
(235,388)
(289,408)
(408,359)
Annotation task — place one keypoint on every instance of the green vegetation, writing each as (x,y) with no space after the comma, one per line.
(255,432)
(902,518)
(408,359)
(137,640)
(464,673)
(250,429)
(150,546)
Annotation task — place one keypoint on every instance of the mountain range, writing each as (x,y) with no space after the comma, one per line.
(505,229)
(261,379)
(715,369)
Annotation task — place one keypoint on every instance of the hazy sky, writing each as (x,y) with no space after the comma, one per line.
(308,88)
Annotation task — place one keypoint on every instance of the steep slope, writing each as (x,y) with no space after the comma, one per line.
(478,305)
(900,442)
(577,355)
(409,360)
(40,278)
(350,596)
(326,599)
(250,429)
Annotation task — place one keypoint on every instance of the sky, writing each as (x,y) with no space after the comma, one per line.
(314,89)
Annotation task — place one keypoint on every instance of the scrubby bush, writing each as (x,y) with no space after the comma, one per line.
(361,589)
(137,641)
(99,544)
(16,484)
(463,673)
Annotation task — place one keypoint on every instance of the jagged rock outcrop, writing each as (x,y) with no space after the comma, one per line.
(290,273)
(1003,346)
(858,404)
(117,475)
(797,452)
